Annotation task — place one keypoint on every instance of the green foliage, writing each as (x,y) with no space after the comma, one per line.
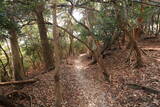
(31,45)
(5,23)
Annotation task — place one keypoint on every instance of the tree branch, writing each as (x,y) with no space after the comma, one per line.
(18,82)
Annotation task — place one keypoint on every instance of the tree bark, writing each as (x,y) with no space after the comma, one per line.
(10,62)
(139,62)
(46,49)
(71,50)
(16,59)
(71,53)
(58,102)
(131,35)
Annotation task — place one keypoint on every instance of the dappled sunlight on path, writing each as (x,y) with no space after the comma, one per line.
(90,93)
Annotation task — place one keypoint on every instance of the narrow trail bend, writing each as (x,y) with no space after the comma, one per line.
(81,90)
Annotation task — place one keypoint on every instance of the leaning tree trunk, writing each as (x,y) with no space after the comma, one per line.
(46,49)
(96,46)
(16,59)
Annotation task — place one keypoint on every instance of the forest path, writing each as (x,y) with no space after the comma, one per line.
(81,90)
(152,49)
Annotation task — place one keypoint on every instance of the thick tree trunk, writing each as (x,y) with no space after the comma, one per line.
(16,59)
(131,35)
(100,62)
(46,50)
(135,47)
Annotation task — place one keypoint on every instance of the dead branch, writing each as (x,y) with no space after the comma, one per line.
(18,82)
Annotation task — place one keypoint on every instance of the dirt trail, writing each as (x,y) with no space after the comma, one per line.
(83,91)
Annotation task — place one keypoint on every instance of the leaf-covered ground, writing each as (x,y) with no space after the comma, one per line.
(82,84)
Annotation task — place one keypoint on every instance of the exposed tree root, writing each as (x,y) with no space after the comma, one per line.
(145,89)
(93,62)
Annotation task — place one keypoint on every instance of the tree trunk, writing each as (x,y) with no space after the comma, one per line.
(71,50)
(140,20)
(139,62)
(134,45)
(131,35)
(16,59)
(97,57)
(10,62)
(100,62)
(71,53)
(57,56)
(46,49)
(21,56)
